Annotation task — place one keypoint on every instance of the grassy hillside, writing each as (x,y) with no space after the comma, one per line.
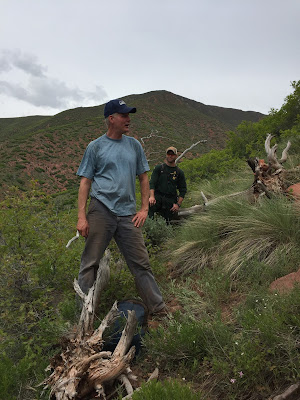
(234,338)
(231,338)
(49,149)
(11,128)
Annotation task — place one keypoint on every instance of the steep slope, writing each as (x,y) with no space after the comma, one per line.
(49,149)
(15,127)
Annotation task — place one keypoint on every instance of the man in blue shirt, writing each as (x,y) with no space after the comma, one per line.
(108,173)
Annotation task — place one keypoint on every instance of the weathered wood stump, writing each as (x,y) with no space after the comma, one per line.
(82,369)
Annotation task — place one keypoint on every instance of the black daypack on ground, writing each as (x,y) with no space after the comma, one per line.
(141,313)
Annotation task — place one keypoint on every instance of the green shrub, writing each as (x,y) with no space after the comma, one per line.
(187,342)
(8,378)
(157,230)
(248,138)
(261,354)
(166,390)
(210,165)
(39,169)
(20,166)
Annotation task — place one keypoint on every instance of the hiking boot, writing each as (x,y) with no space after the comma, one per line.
(157,318)
(163,313)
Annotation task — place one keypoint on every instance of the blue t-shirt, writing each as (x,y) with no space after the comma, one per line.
(112,165)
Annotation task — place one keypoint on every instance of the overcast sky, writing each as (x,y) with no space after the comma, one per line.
(60,54)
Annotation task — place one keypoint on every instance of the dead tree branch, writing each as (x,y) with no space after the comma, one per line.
(269,177)
(185,212)
(92,299)
(152,134)
(190,148)
(154,375)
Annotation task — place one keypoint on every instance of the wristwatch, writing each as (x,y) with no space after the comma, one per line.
(178,205)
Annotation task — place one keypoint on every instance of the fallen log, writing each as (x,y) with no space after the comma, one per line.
(82,370)
(292,393)
(185,212)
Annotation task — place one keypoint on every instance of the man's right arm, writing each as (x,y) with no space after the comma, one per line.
(152,200)
(153,182)
(84,190)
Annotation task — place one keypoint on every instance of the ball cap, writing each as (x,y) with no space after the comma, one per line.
(171,149)
(117,106)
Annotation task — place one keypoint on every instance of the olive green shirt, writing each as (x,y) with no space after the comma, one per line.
(168,181)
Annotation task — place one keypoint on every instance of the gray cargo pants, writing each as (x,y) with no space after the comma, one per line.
(103,227)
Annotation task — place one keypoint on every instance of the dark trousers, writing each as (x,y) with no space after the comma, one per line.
(103,227)
(163,207)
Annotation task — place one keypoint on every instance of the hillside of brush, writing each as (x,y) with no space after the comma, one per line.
(228,337)
(49,149)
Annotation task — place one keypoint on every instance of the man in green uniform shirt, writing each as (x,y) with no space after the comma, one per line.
(165,183)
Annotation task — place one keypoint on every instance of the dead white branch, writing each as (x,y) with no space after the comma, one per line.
(126,382)
(269,178)
(72,240)
(271,154)
(96,338)
(292,393)
(127,335)
(154,375)
(185,212)
(204,198)
(188,149)
(153,134)
(284,154)
(92,299)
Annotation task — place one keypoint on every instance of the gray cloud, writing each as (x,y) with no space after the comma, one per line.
(230,53)
(41,90)
(10,59)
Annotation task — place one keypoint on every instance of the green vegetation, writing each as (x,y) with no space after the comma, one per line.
(35,289)
(236,232)
(157,231)
(164,391)
(248,141)
(30,145)
(231,338)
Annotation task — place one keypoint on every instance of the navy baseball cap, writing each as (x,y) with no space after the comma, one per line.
(117,106)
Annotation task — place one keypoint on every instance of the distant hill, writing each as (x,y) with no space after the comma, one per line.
(48,149)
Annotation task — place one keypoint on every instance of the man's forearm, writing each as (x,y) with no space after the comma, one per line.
(180,200)
(141,215)
(84,190)
(144,184)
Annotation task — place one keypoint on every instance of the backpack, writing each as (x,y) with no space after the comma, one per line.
(163,169)
(141,313)
(172,179)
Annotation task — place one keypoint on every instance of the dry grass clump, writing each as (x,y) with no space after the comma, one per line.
(234,232)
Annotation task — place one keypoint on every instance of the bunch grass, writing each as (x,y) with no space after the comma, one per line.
(236,232)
